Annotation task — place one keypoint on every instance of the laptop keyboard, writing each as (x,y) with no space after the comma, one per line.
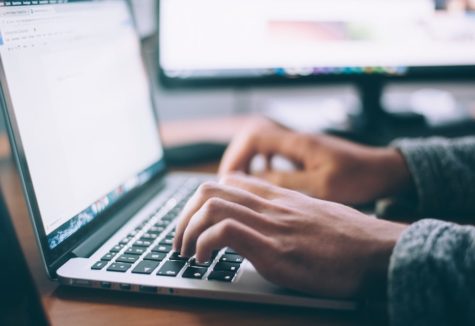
(148,250)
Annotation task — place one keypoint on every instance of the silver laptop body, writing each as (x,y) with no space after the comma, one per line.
(81,120)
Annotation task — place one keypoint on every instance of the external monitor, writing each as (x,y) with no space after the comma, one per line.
(252,42)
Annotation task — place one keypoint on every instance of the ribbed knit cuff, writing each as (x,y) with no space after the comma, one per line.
(431,278)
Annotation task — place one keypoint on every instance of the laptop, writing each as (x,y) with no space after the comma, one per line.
(81,117)
(20,302)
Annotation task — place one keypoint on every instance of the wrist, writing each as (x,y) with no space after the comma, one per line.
(394,172)
(380,250)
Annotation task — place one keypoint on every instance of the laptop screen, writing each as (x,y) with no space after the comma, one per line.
(75,81)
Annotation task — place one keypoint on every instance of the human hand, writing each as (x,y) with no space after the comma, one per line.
(328,167)
(293,240)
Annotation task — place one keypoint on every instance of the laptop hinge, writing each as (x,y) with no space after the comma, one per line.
(117,220)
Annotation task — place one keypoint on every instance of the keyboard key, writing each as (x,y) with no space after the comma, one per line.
(167,241)
(171,268)
(230,251)
(163,248)
(171,234)
(119,267)
(127,259)
(231,258)
(117,248)
(133,234)
(108,256)
(162,223)
(125,240)
(176,256)
(193,262)
(145,267)
(149,236)
(221,276)
(170,216)
(99,265)
(135,251)
(156,229)
(141,225)
(194,272)
(143,243)
(227,267)
(156,256)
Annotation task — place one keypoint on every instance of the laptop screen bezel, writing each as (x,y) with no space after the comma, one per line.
(60,253)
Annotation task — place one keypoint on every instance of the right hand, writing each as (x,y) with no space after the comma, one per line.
(329,168)
(292,240)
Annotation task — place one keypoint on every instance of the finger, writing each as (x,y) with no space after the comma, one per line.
(256,186)
(214,211)
(203,194)
(296,180)
(239,154)
(272,140)
(230,233)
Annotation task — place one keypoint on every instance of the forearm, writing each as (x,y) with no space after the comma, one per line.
(431,279)
(443,173)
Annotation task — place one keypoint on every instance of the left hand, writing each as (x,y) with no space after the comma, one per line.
(293,240)
(328,167)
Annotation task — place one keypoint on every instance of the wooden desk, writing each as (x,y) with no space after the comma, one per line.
(70,306)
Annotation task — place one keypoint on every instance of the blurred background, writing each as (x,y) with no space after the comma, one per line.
(209,60)
(224,58)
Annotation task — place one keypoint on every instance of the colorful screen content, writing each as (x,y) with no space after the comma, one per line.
(80,96)
(251,38)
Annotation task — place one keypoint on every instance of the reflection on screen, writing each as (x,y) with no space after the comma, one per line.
(82,103)
(215,38)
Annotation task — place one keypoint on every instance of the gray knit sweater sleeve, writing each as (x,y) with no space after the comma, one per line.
(443,171)
(431,277)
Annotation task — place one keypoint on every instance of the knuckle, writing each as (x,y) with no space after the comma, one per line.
(227,228)
(213,205)
(207,189)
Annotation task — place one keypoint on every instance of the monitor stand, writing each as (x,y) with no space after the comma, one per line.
(371,93)
(375,125)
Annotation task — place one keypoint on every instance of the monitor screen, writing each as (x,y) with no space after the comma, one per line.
(218,39)
(77,87)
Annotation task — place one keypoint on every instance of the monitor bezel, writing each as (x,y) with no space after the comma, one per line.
(430,73)
(416,73)
(54,257)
